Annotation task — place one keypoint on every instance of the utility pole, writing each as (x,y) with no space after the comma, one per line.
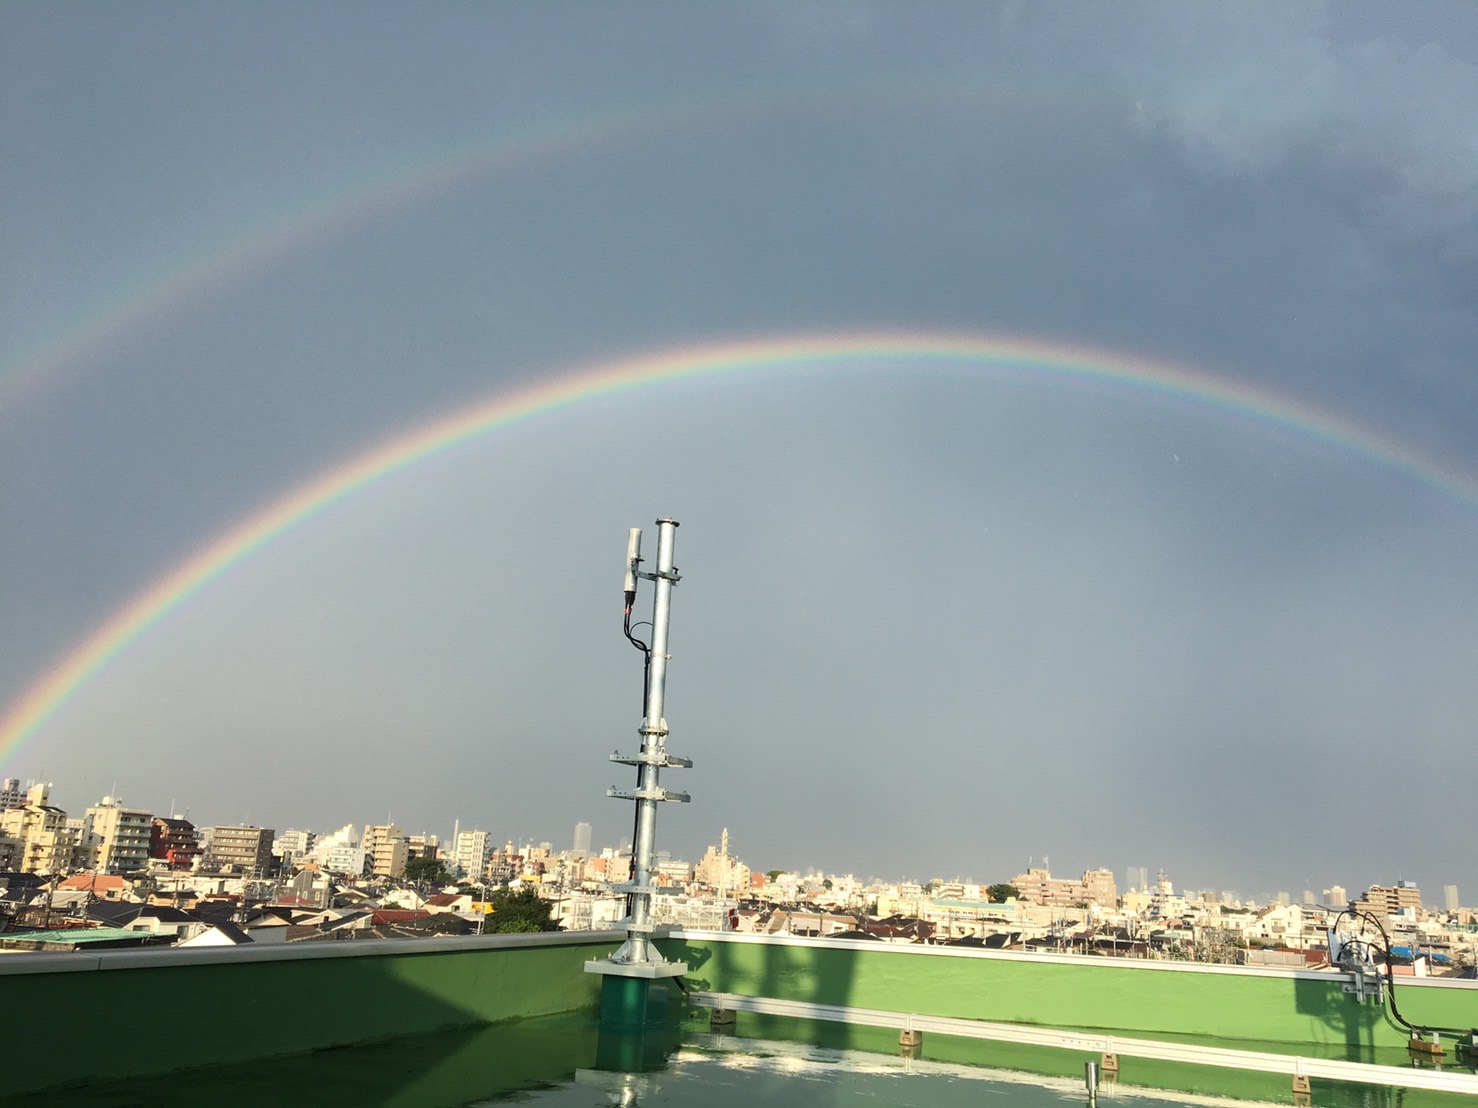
(630,971)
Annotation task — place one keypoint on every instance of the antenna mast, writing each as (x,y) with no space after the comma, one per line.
(637,958)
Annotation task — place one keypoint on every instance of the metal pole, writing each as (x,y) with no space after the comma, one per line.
(638,958)
(654,742)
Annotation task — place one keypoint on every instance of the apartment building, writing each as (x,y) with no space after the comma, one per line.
(339,852)
(1389,900)
(385,847)
(239,847)
(1096,886)
(292,846)
(174,842)
(117,837)
(11,794)
(44,841)
(470,852)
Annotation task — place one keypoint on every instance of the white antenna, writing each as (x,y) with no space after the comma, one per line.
(633,561)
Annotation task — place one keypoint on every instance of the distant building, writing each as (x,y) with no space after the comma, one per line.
(1388,900)
(239,847)
(1336,897)
(422,846)
(117,836)
(674,872)
(582,840)
(292,847)
(719,870)
(1096,886)
(174,841)
(385,847)
(11,794)
(1449,898)
(339,852)
(44,841)
(470,854)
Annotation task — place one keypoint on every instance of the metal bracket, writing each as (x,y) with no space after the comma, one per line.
(656,792)
(659,758)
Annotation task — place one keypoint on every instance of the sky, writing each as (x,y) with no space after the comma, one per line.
(1070,410)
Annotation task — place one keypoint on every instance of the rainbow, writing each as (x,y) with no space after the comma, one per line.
(1032,359)
(259,245)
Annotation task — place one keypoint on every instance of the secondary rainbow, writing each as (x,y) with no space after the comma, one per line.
(528,147)
(260,245)
(1028,358)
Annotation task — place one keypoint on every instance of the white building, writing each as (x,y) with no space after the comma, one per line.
(118,836)
(44,840)
(292,846)
(470,854)
(339,852)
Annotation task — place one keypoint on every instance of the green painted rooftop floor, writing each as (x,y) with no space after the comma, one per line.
(557,1061)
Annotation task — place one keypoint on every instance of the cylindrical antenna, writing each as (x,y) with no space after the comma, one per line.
(633,559)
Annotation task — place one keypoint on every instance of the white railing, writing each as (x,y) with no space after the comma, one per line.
(1363,1073)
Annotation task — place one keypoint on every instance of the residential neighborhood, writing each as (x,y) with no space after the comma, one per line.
(120,876)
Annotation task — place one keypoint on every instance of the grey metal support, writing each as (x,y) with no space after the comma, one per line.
(637,957)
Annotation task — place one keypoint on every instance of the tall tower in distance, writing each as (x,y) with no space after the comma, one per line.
(582,840)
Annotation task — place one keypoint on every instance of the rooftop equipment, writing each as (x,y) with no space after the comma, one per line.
(631,970)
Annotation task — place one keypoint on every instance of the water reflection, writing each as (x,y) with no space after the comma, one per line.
(682,1059)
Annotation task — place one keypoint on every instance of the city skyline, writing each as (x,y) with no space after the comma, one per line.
(1131,877)
(1069,411)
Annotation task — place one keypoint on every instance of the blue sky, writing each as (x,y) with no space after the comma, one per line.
(932,623)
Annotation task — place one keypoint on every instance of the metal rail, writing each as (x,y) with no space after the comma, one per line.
(1363,1073)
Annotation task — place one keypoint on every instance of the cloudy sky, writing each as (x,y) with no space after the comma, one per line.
(939,615)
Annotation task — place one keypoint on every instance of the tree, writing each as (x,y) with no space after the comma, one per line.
(826,884)
(1000,893)
(774,874)
(522,909)
(426,871)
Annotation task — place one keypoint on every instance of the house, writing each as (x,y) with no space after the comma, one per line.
(104,886)
(162,920)
(80,938)
(220,934)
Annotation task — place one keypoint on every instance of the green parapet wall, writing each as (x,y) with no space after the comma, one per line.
(80,1018)
(1287,1011)
(75,1018)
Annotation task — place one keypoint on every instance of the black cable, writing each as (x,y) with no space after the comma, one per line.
(1355,913)
(646,675)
